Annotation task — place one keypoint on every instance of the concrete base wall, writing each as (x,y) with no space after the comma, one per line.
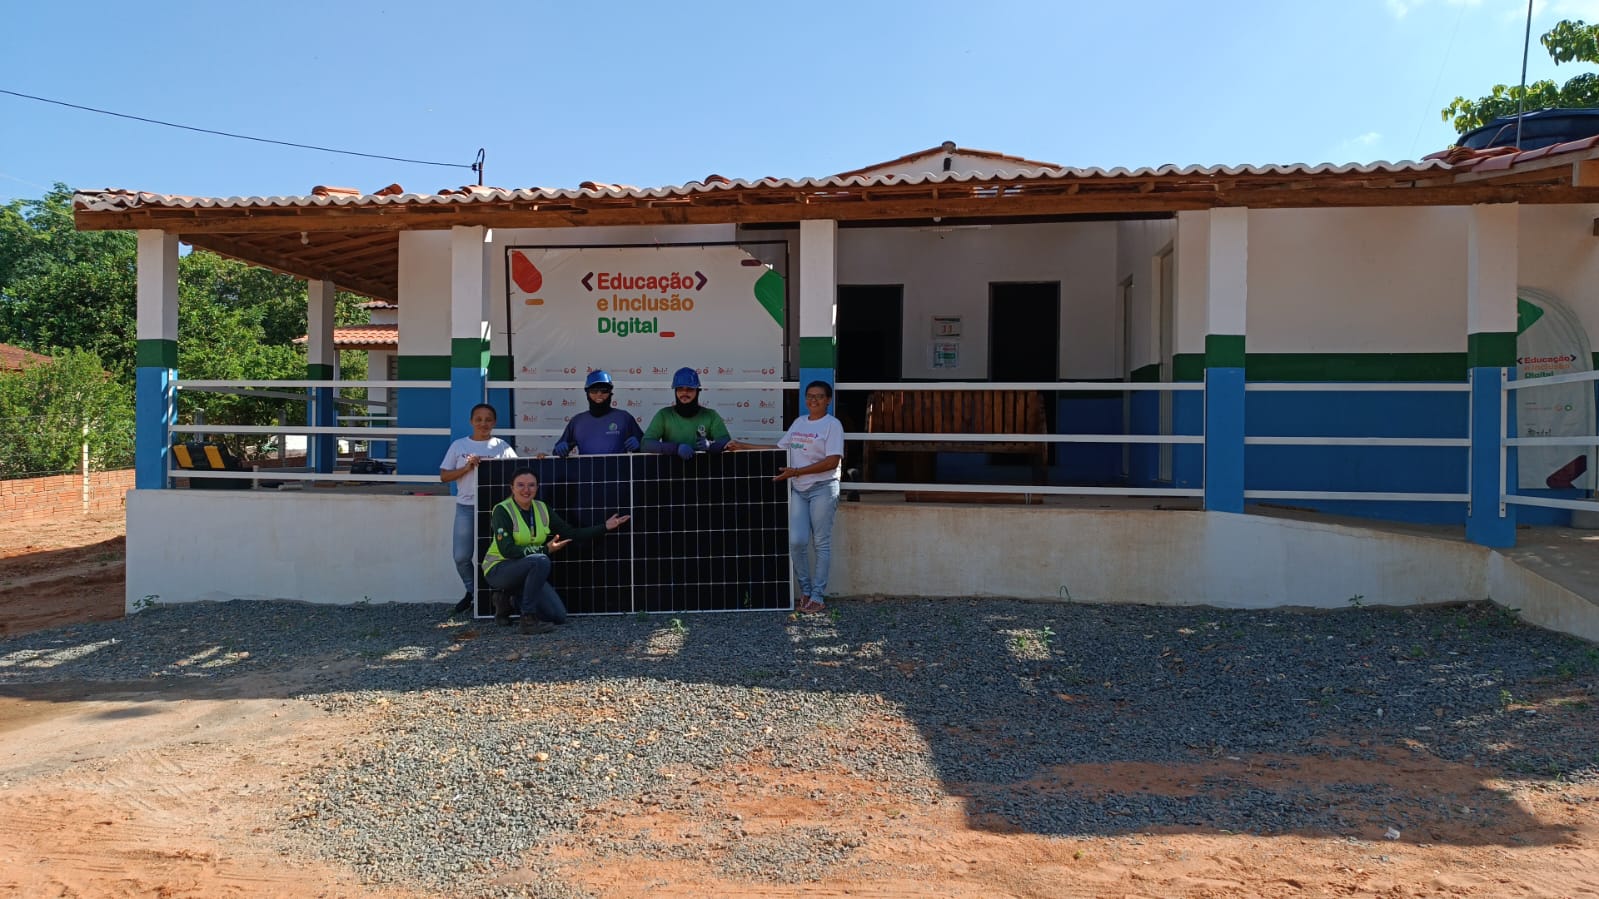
(1157,557)
(188,545)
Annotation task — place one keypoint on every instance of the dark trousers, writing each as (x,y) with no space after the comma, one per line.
(528,580)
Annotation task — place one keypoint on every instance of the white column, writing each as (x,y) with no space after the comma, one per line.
(156,330)
(818,271)
(319,308)
(1227,290)
(469,324)
(1492,251)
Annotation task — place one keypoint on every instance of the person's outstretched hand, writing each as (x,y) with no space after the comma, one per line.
(555,544)
(616,521)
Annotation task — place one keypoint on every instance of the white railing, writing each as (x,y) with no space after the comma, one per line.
(1024,489)
(299,390)
(1507,393)
(1358,387)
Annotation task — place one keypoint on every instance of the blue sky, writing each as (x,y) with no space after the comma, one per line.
(653,93)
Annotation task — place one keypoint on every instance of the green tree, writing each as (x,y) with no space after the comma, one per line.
(1569,41)
(61,288)
(49,410)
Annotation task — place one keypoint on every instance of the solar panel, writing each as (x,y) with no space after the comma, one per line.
(707,535)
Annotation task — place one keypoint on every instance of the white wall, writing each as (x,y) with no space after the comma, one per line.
(948,272)
(1560,254)
(267,544)
(424,293)
(1357,280)
(344,548)
(1138,244)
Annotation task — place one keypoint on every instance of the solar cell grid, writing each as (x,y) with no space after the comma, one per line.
(707,535)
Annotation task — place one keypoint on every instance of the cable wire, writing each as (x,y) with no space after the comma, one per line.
(263,140)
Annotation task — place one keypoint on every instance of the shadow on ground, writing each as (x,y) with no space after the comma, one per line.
(1045,718)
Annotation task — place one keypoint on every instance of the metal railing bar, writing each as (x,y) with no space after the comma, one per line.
(1550,502)
(359,433)
(1061,386)
(1575,377)
(274,474)
(199,384)
(1355,387)
(1375,496)
(1020,489)
(1578,440)
(876,437)
(1358,441)
(643,385)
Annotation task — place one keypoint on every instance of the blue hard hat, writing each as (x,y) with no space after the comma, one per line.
(597,376)
(686,377)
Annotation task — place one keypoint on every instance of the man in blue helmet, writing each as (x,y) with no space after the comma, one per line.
(603,428)
(685,427)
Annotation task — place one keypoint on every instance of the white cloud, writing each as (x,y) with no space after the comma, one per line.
(1587,10)
(1359,148)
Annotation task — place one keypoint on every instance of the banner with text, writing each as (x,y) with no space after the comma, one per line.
(641,313)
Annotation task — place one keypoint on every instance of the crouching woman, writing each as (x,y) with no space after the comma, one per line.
(517,565)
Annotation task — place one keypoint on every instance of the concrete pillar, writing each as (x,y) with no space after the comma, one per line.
(157,357)
(1492,245)
(469,325)
(1226,303)
(321,364)
(818,270)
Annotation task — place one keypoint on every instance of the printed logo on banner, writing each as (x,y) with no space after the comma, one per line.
(1551,341)
(641,313)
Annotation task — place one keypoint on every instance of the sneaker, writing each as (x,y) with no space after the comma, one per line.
(464,604)
(531,625)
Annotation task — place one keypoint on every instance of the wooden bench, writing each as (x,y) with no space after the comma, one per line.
(954,412)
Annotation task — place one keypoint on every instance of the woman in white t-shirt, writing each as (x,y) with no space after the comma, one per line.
(460,467)
(815,445)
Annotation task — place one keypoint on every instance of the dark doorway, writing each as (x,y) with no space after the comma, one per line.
(1024,336)
(870,332)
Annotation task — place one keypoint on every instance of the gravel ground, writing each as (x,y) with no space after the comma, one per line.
(487,747)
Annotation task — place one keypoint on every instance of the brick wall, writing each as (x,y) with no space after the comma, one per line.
(43,499)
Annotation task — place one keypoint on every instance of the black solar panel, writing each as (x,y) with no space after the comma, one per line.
(707,535)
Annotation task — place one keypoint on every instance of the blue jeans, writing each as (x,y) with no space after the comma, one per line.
(528,580)
(810,520)
(461,545)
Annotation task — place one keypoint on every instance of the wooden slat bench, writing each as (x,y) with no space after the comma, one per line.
(954,412)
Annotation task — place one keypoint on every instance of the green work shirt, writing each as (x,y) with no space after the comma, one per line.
(671,427)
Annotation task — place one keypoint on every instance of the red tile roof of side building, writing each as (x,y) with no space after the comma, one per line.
(15,358)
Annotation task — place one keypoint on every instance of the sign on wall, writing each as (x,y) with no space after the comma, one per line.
(1550,340)
(641,313)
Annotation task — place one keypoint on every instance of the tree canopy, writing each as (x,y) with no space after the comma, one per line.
(62,289)
(1569,41)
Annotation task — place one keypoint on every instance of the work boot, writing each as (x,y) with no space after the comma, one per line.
(464,604)
(531,625)
(502,608)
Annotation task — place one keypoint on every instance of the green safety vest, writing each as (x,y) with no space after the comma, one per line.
(523,535)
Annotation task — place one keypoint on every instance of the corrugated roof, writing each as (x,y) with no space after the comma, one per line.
(113,200)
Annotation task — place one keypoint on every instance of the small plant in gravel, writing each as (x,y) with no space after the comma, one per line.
(1505,699)
(677,626)
(1417,651)
(146,603)
(641,615)
(1358,601)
